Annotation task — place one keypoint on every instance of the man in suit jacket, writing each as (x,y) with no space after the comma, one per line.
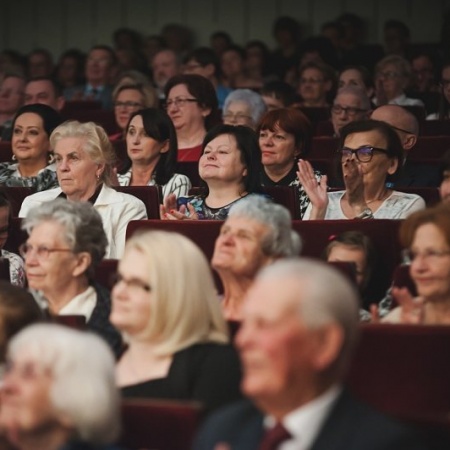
(413,174)
(299,330)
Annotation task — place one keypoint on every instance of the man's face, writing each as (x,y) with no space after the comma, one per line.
(98,66)
(164,66)
(11,95)
(42,91)
(346,108)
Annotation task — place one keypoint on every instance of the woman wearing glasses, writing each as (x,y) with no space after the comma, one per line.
(178,344)
(369,151)
(66,243)
(191,104)
(243,107)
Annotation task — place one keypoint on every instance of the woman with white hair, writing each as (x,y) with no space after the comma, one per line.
(58,391)
(256,233)
(177,338)
(66,243)
(84,161)
(243,107)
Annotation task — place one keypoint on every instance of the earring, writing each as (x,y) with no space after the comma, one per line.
(14,157)
(51,158)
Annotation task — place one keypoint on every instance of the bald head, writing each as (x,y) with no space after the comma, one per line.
(404,123)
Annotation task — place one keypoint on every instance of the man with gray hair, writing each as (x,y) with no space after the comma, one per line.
(256,233)
(350,104)
(406,126)
(300,326)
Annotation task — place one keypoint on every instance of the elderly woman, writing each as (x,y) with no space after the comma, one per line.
(66,243)
(426,236)
(152,150)
(229,165)
(127,99)
(58,391)
(177,339)
(32,165)
(192,106)
(284,136)
(84,159)
(369,152)
(243,107)
(256,233)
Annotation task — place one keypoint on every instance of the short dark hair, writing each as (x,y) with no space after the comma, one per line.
(247,143)
(108,49)
(50,117)
(55,85)
(158,126)
(204,56)
(281,91)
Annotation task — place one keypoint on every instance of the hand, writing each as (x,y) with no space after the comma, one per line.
(113,178)
(168,211)
(316,191)
(412,309)
(354,185)
(374,314)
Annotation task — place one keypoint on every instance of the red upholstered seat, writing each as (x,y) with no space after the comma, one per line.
(161,425)
(72,321)
(101,117)
(16,196)
(148,194)
(105,272)
(4,269)
(5,151)
(435,128)
(325,128)
(286,196)
(429,149)
(323,147)
(16,236)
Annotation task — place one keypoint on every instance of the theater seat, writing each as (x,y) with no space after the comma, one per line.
(78,322)
(162,425)
(148,194)
(4,269)
(323,147)
(105,271)
(5,151)
(16,236)
(16,196)
(286,196)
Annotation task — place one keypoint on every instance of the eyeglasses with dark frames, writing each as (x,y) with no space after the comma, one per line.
(179,102)
(132,283)
(350,110)
(363,154)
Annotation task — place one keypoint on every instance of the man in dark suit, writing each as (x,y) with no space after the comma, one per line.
(299,329)
(413,174)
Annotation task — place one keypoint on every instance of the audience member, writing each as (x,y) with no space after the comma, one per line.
(257,62)
(349,105)
(70,71)
(32,164)
(16,267)
(232,63)
(356,76)
(44,90)
(177,339)
(396,38)
(406,126)
(152,151)
(229,166)
(278,94)
(12,91)
(100,64)
(300,326)
(444,101)
(424,72)
(39,63)
(66,242)
(84,160)
(58,391)
(444,188)
(370,151)
(426,236)
(204,61)
(192,106)
(256,233)
(315,84)
(165,65)
(284,137)
(243,107)
(177,37)
(219,42)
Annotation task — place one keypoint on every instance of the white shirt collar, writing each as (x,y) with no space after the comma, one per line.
(82,304)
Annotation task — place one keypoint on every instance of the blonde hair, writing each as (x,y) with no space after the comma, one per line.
(96,143)
(185,305)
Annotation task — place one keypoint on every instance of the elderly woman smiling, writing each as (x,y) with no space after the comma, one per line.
(58,391)
(84,160)
(66,242)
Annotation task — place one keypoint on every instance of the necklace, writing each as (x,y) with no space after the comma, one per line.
(379,199)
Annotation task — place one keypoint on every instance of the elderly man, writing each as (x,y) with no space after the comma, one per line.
(350,104)
(44,90)
(406,126)
(11,99)
(300,326)
(256,233)
(165,64)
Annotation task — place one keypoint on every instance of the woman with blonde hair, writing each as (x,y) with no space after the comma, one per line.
(177,338)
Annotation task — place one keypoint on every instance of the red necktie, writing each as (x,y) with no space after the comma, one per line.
(274,437)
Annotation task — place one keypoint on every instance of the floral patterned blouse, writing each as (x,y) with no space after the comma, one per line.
(45,179)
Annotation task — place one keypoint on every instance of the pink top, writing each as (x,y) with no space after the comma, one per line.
(190,154)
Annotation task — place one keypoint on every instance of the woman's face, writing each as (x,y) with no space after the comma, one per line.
(26,405)
(446,83)
(238,113)
(49,271)
(221,161)
(184,109)
(131,296)
(143,149)
(380,166)
(29,139)
(348,253)
(351,78)
(430,265)
(127,102)
(277,148)
(77,173)
(313,86)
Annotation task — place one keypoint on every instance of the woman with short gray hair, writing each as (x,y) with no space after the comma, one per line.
(66,243)
(256,233)
(72,374)
(243,107)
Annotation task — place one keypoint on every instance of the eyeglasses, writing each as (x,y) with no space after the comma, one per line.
(363,154)
(351,111)
(132,283)
(402,130)
(179,102)
(390,75)
(127,105)
(238,117)
(42,251)
(429,255)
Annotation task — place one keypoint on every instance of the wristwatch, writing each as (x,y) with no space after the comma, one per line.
(365,214)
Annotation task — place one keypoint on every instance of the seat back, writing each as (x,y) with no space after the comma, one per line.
(162,425)
(5,151)
(4,269)
(149,196)
(105,271)
(16,236)
(16,195)
(286,196)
